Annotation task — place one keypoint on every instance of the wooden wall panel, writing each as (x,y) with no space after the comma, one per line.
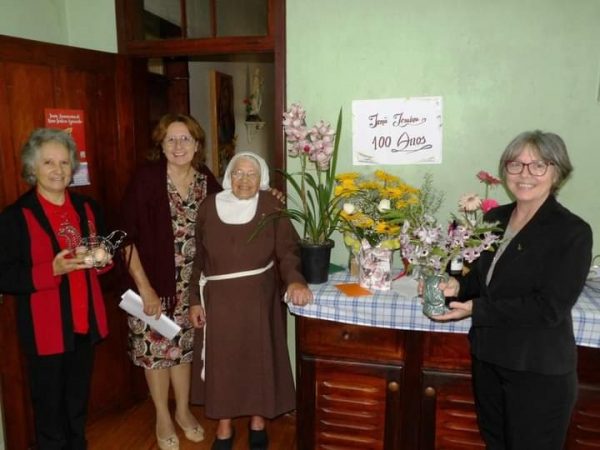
(8,187)
(28,86)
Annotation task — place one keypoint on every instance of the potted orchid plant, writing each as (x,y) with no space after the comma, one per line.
(315,206)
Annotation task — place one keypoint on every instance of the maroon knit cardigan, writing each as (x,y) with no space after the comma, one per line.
(146,218)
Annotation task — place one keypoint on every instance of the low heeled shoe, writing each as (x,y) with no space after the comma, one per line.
(168,443)
(258,439)
(194,434)
(223,444)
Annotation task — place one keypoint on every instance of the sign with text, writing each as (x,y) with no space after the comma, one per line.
(397,131)
(72,121)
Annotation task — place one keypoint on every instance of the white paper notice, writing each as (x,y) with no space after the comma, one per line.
(397,131)
(132,303)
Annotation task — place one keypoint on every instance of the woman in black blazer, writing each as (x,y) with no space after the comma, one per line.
(520,298)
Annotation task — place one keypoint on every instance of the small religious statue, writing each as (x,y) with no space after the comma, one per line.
(255,99)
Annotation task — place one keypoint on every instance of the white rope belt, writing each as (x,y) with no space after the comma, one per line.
(226,276)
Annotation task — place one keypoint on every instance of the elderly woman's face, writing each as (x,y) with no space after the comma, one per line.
(52,169)
(245,178)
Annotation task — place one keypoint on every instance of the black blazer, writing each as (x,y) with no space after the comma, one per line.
(522,320)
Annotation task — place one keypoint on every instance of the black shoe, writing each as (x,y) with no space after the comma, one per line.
(258,439)
(223,444)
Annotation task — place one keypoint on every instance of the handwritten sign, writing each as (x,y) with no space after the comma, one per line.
(72,121)
(397,131)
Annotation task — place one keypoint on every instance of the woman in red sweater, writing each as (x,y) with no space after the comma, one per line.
(60,308)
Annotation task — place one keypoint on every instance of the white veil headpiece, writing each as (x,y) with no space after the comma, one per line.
(235,211)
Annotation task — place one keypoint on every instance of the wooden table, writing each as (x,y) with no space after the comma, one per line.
(374,387)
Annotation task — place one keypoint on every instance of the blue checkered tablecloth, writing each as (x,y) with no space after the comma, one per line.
(400,308)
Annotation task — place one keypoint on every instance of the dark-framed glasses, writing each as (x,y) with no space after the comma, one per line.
(184,141)
(535,168)
(239,174)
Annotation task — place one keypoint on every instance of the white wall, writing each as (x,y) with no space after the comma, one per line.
(92,24)
(79,23)
(263,141)
(33,19)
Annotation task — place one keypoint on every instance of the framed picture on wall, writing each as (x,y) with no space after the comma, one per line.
(222,122)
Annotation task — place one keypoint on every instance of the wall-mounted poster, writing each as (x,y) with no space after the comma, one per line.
(223,122)
(72,121)
(397,131)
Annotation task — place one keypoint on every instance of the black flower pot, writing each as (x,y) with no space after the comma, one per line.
(315,261)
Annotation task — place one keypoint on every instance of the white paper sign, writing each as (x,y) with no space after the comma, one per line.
(397,131)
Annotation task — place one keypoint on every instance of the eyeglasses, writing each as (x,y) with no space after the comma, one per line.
(184,141)
(239,174)
(535,168)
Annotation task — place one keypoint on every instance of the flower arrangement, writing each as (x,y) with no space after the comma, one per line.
(316,146)
(366,200)
(430,246)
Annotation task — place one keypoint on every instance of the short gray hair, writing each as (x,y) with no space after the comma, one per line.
(550,147)
(31,150)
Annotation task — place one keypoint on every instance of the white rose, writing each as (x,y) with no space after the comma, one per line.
(384,205)
(349,208)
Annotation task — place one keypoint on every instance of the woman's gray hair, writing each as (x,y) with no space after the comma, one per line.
(551,149)
(31,150)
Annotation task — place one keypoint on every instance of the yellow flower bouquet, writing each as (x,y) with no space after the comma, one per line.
(369,235)
(365,200)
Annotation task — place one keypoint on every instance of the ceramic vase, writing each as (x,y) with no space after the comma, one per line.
(434,302)
(375,268)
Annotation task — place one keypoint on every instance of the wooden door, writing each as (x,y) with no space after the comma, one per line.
(34,76)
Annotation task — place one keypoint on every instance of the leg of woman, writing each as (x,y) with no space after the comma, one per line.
(489,403)
(257,434)
(224,429)
(257,423)
(46,384)
(78,373)
(538,409)
(158,383)
(180,380)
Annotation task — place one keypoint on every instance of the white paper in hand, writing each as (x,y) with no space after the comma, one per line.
(132,303)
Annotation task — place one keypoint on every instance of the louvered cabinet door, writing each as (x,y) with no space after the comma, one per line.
(351,401)
(448,419)
(350,386)
(354,406)
(584,432)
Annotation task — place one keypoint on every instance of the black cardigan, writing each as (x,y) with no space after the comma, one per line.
(522,320)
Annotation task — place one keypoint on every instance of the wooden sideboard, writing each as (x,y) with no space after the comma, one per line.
(373,388)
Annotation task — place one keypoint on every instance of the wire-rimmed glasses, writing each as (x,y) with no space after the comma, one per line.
(183,141)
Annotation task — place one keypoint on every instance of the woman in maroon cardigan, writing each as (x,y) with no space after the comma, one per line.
(159,214)
(60,310)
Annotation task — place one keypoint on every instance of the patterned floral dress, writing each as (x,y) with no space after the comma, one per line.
(149,349)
